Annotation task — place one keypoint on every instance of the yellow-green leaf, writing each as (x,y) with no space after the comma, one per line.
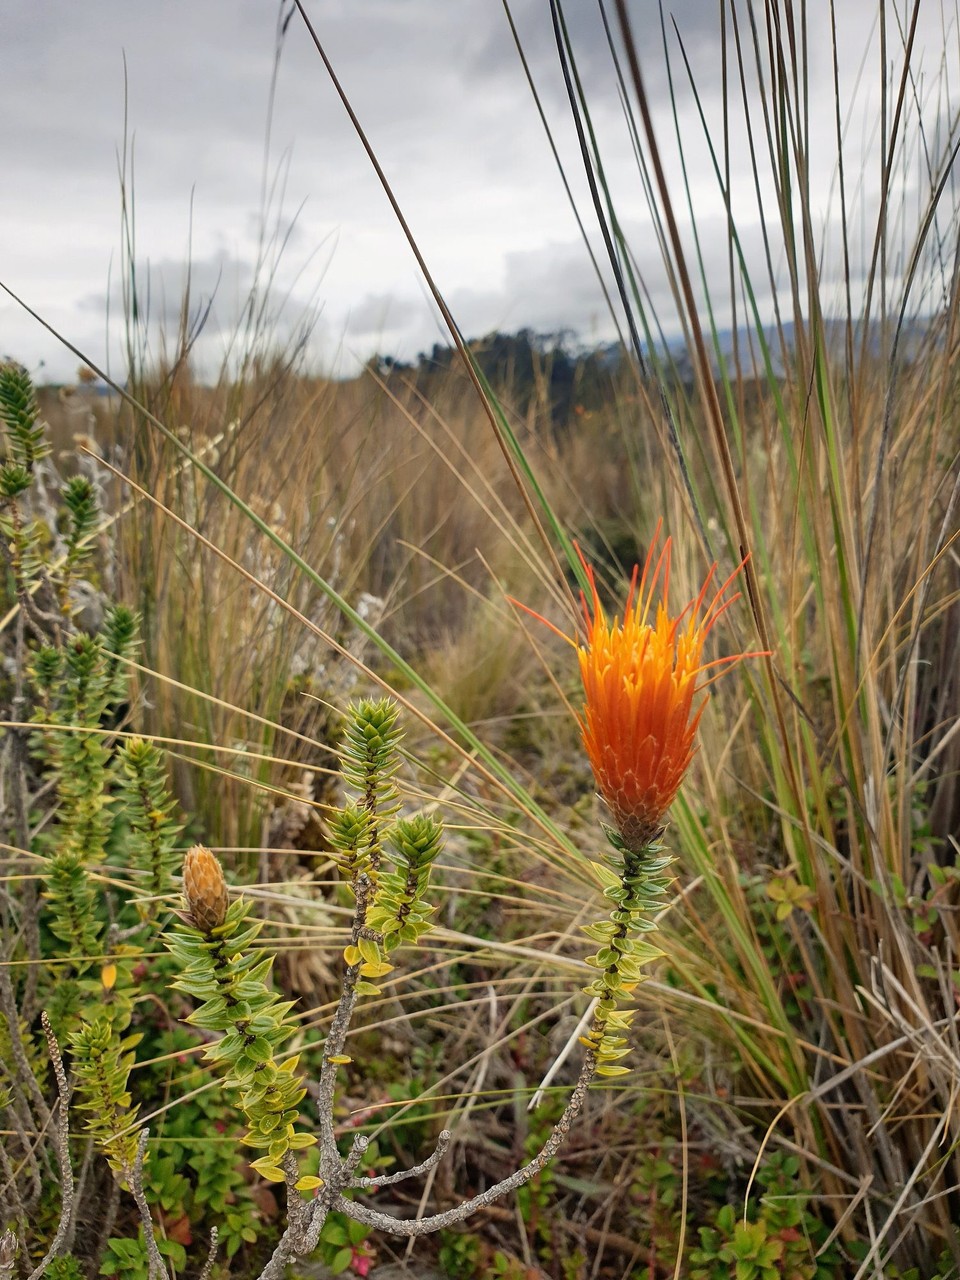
(369,950)
(300,1141)
(267,1170)
(606,877)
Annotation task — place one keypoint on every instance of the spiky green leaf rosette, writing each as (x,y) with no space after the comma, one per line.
(149,809)
(211,948)
(399,913)
(369,759)
(25,436)
(77,685)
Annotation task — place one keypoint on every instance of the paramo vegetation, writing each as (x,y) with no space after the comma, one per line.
(353,917)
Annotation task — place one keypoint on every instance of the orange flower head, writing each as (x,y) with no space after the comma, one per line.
(640,680)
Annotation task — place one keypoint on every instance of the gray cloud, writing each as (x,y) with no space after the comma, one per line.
(698,25)
(381,313)
(554,288)
(440,89)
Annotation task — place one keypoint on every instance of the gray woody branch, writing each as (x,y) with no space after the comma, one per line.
(63,1151)
(303,1240)
(439,1221)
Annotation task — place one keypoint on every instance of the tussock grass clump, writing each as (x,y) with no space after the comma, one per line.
(817,943)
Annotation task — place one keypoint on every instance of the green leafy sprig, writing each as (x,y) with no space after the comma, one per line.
(637,893)
(22,535)
(152,839)
(79,496)
(350,837)
(26,441)
(101,1067)
(399,913)
(366,832)
(218,968)
(73,903)
(368,765)
(77,686)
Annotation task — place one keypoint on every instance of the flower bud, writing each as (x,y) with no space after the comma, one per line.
(8,1252)
(204,889)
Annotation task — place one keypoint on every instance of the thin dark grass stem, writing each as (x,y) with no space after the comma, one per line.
(712,404)
(563,175)
(497,423)
(606,217)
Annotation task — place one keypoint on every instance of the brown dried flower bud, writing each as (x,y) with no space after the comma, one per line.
(204,889)
(9,1249)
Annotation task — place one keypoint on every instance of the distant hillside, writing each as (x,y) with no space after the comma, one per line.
(559,372)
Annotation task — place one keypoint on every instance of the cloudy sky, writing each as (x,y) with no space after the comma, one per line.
(440,89)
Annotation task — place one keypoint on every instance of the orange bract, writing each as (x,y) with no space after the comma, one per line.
(640,679)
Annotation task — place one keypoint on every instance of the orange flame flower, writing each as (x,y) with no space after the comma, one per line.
(640,679)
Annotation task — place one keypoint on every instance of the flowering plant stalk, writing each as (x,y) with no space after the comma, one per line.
(216,966)
(641,675)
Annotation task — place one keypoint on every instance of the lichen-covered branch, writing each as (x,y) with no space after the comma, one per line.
(439,1221)
(390,1179)
(154,1257)
(63,1151)
(211,1257)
